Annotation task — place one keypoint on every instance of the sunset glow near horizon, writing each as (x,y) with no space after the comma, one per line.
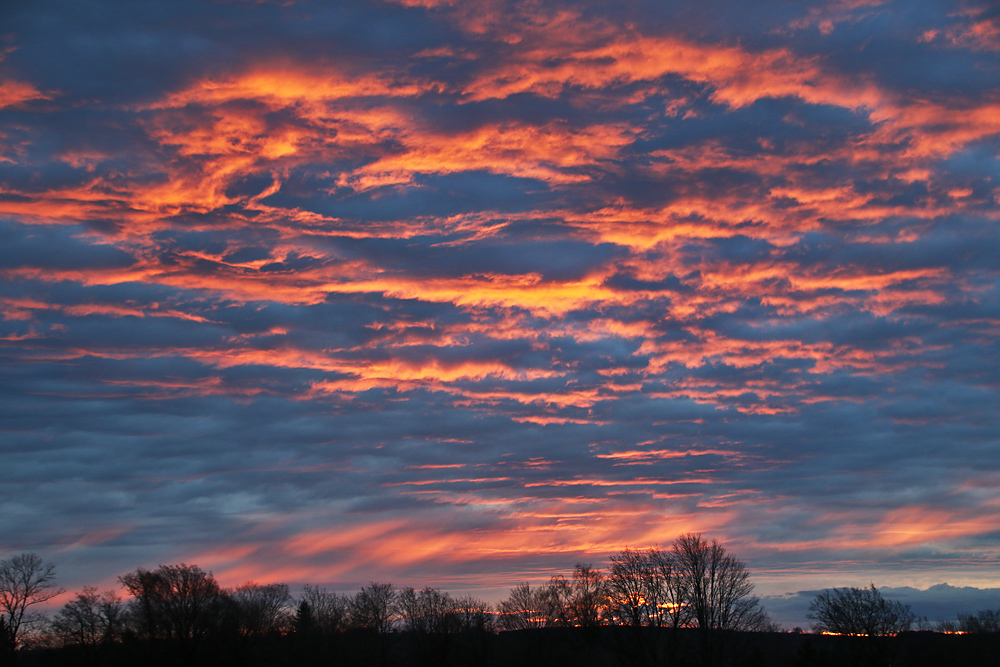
(461,294)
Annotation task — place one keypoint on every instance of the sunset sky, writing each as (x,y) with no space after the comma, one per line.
(460,293)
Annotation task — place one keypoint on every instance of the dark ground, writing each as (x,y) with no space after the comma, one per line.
(557,647)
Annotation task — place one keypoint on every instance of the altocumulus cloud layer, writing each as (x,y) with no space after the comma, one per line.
(460,293)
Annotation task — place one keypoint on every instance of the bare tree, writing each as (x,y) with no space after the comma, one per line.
(474,615)
(987,620)
(716,586)
(645,589)
(261,608)
(581,600)
(25,581)
(554,602)
(589,596)
(522,609)
(374,607)
(326,611)
(716,591)
(91,620)
(429,611)
(672,610)
(177,603)
(858,612)
(630,588)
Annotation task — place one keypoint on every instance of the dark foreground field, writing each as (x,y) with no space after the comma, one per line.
(558,647)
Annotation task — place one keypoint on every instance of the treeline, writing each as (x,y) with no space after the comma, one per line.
(690,604)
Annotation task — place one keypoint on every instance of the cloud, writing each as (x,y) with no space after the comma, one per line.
(473,292)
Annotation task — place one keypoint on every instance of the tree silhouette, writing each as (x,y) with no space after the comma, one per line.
(92,620)
(985,621)
(328,611)
(682,606)
(554,602)
(304,619)
(25,581)
(175,603)
(645,589)
(717,593)
(858,612)
(374,607)
(863,615)
(261,608)
(474,615)
(522,609)
(716,586)
(589,596)
(429,611)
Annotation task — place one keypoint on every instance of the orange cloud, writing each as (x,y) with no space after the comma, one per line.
(293,84)
(651,456)
(15,93)
(549,153)
(738,77)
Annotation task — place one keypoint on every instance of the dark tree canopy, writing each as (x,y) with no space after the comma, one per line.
(686,606)
(984,621)
(177,603)
(427,611)
(324,610)
(260,609)
(374,607)
(859,612)
(695,584)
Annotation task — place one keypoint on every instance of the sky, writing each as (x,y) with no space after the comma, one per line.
(460,294)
